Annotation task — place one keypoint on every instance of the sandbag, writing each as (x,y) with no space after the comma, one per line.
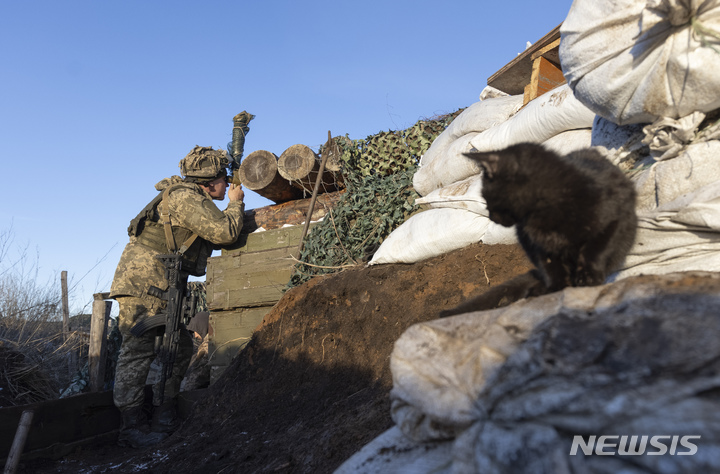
(478,117)
(634,61)
(552,113)
(509,390)
(467,194)
(681,235)
(429,234)
(567,142)
(464,194)
(621,144)
(443,163)
(682,161)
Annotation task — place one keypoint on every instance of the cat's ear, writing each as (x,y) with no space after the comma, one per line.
(488,161)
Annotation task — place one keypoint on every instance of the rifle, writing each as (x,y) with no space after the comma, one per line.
(179,309)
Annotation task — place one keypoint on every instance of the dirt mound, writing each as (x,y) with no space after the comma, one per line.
(312,387)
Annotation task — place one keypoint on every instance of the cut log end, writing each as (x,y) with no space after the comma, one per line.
(259,172)
(297,162)
(258,169)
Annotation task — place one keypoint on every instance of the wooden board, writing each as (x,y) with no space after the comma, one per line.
(267,240)
(545,77)
(515,75)
(61,425)
(231,331)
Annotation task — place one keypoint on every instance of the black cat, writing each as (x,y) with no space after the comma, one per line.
(574,217)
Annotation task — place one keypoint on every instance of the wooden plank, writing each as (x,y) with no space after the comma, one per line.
(267,240)
(515,75)
(545,77)
(260,290)
(61,422)
(232,330)
(243,279)
(233,280)
(253,297)
(550,52)
(278,256)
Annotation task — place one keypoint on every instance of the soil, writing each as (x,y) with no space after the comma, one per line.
(312,387)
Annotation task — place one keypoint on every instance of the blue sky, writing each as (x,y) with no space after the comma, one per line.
(101,99)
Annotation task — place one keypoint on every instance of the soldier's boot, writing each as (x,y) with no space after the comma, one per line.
(135,431)
(165,417)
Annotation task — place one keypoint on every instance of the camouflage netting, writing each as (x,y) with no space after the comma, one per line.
(198,289)
(378,174)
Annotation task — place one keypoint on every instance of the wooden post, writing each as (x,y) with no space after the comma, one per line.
(259,172)
(72,359)
(18,445)
(98,340)
(314,196)
(65,308)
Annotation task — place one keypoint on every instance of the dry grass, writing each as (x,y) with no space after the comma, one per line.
(36,360)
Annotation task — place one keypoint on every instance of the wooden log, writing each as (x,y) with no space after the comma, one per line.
(300,165)
(97,350)
(19,442)
(288,213)
(259,172)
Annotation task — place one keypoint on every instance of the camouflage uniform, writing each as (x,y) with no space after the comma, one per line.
(191,211)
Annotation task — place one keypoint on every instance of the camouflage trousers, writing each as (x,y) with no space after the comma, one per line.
(137,354)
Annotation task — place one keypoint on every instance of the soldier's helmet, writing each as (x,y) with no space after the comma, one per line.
(203,164)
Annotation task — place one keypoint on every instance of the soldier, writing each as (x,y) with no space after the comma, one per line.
(183,217)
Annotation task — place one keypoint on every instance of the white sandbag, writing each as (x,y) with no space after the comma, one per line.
(465,194)
(681,235)
(498,234)
(552,113)
(570,141)
(633,61)
(443,163)
(447,168)
(510,388)
(621,144)
(696,165)
(429,234)
(478,117)
(440,367)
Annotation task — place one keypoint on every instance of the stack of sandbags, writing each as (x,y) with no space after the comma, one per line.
(450,183)
(651,70)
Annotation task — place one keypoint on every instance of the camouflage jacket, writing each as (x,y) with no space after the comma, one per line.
(192,210)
